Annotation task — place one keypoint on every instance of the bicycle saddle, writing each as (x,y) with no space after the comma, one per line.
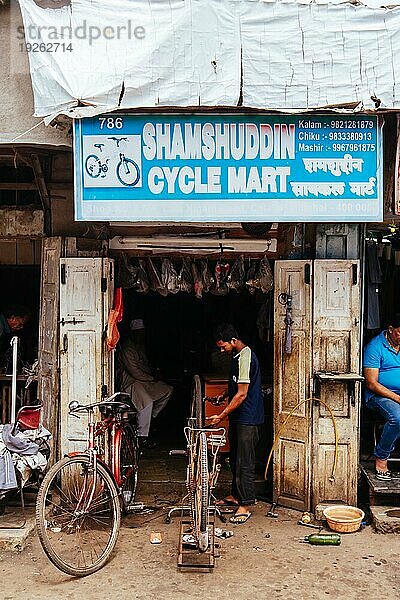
(116,406)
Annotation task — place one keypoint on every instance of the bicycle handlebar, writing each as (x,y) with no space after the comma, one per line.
(74,405)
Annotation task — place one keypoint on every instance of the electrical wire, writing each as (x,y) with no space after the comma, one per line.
(282,427)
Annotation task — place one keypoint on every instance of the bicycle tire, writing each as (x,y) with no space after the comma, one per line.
(126,457)
(197,409)
(65,537)
(202,493)
(98,164)
(120,176)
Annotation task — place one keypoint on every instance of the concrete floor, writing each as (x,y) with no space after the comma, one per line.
(263,559)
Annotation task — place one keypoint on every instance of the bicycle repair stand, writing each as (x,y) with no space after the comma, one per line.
(189,556)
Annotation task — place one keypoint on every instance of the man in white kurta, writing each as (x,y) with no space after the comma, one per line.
(135,376)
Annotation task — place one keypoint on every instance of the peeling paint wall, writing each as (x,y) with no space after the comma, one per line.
(16,95)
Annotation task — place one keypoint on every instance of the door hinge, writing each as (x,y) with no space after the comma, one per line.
(307,273)
(65,342)
(63,273)
(354,268)
(70,322)
(104,284)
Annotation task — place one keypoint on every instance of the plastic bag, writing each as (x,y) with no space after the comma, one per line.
(127,273)
(185,281)
(155,279)
(250,277)
(264,275)
(235,279)
(198,283)
(206,276)
(220,287)
(169,277)
(142,281)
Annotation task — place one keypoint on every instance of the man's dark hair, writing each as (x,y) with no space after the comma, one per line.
(225,333)
(395,320)
(16,310)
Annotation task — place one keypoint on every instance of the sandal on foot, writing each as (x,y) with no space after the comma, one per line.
(240,518)
(227,502)
(383,475)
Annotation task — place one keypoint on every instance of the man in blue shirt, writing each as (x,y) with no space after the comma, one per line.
(382,376)
(246,416)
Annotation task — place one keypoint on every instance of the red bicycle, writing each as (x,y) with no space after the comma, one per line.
(79,504)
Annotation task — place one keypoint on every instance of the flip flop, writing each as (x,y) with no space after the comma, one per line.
(383,475)
(240,519)
(226,502)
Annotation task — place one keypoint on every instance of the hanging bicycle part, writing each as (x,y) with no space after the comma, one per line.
(286,299)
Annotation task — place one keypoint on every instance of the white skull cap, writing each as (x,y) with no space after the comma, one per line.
(137,324)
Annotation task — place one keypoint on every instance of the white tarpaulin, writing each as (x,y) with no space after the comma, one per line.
(270,55)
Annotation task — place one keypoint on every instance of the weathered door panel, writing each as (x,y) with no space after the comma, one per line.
(48,379)
(84,306)
(292,374)
(336,337)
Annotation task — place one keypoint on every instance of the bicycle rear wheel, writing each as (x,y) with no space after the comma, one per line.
(78,515)
(201,493)
(126,463)
(196,409)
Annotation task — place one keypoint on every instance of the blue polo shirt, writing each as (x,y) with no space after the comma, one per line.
(379,354)
(246,369)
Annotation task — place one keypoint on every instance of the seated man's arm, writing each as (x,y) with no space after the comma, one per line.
(372,383)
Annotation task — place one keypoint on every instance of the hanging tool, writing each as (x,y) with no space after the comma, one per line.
(286,299)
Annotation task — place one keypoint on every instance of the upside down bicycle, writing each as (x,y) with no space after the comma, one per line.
(79,504)
(202,473)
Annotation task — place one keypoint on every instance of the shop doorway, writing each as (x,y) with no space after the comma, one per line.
(179,337)
(20,285)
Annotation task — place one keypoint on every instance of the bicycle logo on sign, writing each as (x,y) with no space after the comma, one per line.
(127,170)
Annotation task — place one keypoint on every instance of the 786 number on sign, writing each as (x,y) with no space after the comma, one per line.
(111,122)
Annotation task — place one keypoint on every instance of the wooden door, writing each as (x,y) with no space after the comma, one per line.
(85,298)
(336,339)
(48,379)
(292,376)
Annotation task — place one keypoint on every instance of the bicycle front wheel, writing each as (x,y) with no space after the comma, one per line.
(78,515)
(128,172)
(201,493)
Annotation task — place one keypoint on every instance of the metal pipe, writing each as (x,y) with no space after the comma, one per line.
(14,345)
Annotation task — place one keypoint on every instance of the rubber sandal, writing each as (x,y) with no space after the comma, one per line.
(240,519)
(226,502)
(383,475)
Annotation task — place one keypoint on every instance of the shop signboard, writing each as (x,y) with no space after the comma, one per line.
(216,168)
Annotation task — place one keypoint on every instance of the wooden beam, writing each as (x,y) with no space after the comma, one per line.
(18,186)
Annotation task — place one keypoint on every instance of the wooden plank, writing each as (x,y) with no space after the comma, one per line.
(336,338)
(292,375)
(25,252)
(17,186)
(8,252)
(48,382)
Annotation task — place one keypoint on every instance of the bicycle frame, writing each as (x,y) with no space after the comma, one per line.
(95,428)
